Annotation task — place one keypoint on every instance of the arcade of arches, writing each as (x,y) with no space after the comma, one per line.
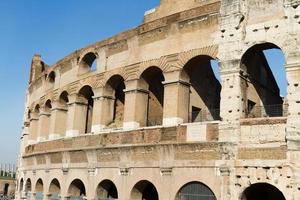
(195,92)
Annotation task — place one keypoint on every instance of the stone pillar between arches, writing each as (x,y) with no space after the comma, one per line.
(176,99)
(103,110)
(58,120)
(136,104)
(76,120)
(43,127)
(232,104)
(33,128)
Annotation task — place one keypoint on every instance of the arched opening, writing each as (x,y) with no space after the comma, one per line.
(34,123)
(115,88)
(60,124)
(39,188)
(107,190)
(265,78)
(44,121)
(28,189)
(54,190)
(195,190)
(144,190)
(21,184)
(76,190)
(262,191)
(87,93)
(204,101)
(88,63)
(154,78)
(5,189)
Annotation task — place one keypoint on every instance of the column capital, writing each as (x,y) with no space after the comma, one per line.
(76,98)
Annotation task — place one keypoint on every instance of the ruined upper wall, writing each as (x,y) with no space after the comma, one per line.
(169,7)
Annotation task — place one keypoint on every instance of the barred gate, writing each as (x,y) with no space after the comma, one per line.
(195,191)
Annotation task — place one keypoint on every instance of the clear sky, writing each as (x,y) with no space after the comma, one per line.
(53,28)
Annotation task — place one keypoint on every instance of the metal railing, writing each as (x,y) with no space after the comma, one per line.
(276,110)
(204,115)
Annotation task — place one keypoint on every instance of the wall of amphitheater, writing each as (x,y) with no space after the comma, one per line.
(143,113)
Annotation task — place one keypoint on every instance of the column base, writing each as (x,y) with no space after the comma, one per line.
(172,121)
(97,128)
(72,133)
(54,136)
(131,125)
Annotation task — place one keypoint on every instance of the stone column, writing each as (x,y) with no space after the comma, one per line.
(176,99)
(58,120)
(44,121)
(103,110)
(76,120)
(136,103)
(293,99)
(232,105)
(33,129)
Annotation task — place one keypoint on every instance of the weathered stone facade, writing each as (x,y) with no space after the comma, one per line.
(151,118)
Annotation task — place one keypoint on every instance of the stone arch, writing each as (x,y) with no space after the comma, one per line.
(88,62)
(144,190)
(210,51)
(39,189)
(21,184)
(34,123)
(205,89)
(261,89)
(54,189)
(86,93)
(261,191)
(28,188)
(5,189)
(51,79)
(114,90)
(106,189)
(76,189)
(195,190)
(153,78)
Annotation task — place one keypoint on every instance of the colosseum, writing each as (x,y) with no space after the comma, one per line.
(143,115)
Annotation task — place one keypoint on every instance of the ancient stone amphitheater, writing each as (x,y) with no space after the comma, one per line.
(143,116)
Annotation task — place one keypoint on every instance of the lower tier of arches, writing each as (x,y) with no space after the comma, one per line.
(197,183)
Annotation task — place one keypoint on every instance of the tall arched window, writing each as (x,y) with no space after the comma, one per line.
(88,63)
(203,75)
(87,93)
(144,190)
(265,81)
(77,190)
(115,88)
(154,78)
(107,190)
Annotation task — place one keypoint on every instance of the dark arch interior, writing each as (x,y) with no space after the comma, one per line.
(51,77)
(262,191)
(154,77)
(21,185)
(48,105)
(63,98)
(28,185)
(107,189)
(205,89)
(77,188)
(144,190)
(37,108)
(54,186)
(117,85)
(5,189)
(88,94)
(195,191)
(263,93)
(89,61)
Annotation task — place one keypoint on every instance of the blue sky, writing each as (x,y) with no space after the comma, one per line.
(53,28)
